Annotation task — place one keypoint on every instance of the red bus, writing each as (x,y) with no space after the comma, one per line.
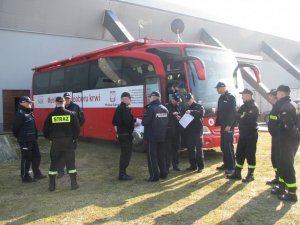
(97,79)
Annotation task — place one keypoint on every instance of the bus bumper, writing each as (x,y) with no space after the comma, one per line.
(213,140)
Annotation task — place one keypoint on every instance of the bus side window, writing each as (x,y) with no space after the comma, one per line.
(134,70)
(76,78)
(118,72)
(41,83)
(96,76)
(57,81)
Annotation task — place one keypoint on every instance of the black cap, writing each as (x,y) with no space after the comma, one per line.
(155,93)
(24,99)
(59,99)
(67,95)
(272,92)
(220,84)
(176,97)
(188,96)
(246,91)
(284,88)
(125,94)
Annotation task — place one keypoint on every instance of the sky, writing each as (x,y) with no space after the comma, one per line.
(280,18)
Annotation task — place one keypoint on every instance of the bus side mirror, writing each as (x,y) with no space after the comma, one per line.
(254,68)
(200,68)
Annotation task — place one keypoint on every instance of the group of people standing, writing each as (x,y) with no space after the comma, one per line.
(61,127)
(162,134)
(284,127)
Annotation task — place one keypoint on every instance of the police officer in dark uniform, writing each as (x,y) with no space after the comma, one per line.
(24,129)
(246,149)
(194,132)
(273,130)
(123,123)
(226,119)
(173,132)
(62,128)
(289,136)
(71,106)
(155,122)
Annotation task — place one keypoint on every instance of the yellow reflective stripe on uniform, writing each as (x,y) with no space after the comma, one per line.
(251,167)
(239,166)
(52,172)
(72,171)
(281,180)
(272,117)
(61,119)
(291,185)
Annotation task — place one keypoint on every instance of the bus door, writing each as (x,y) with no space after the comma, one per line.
(77,99)
(176,78)
(152,83)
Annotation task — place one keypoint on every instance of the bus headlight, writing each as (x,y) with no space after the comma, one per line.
(211,122)
(206,130)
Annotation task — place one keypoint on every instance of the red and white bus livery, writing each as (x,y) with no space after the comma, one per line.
(97,80)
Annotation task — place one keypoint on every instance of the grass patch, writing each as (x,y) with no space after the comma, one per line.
(184,198)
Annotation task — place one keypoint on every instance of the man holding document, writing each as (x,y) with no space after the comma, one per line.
(192,122)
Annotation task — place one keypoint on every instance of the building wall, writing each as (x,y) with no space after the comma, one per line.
(21,51)
(35,32)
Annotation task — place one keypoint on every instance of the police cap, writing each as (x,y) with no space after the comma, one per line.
(67,95)
(220,84)
(246,91)
(155,93)
(188,96)
(272,92)
(25,99)
(125,94)
(284,88)
(59,99)
(176,97)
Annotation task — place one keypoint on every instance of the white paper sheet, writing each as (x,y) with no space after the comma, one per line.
(185,120)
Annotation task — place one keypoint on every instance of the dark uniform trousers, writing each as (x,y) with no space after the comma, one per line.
(126,151)
(227,149)
(172,154)
(246,149)
(275,153)
(288,147)
(62,147)
(31,155)
(194,146)
(62,161)
(156,160)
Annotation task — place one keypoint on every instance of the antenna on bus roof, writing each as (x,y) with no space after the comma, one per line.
(177,26)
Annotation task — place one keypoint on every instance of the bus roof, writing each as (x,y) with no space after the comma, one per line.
(117,47)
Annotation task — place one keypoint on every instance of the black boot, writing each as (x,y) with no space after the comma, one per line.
(51,182)
(278,189)
(290,197)
(74,184)
(236,175)
(249,176)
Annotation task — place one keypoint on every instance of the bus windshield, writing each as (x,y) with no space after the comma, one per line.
(220,65)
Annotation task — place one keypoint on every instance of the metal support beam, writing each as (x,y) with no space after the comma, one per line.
(259,87)
(281,60)
(210,40)
(247,76)
(116,28)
